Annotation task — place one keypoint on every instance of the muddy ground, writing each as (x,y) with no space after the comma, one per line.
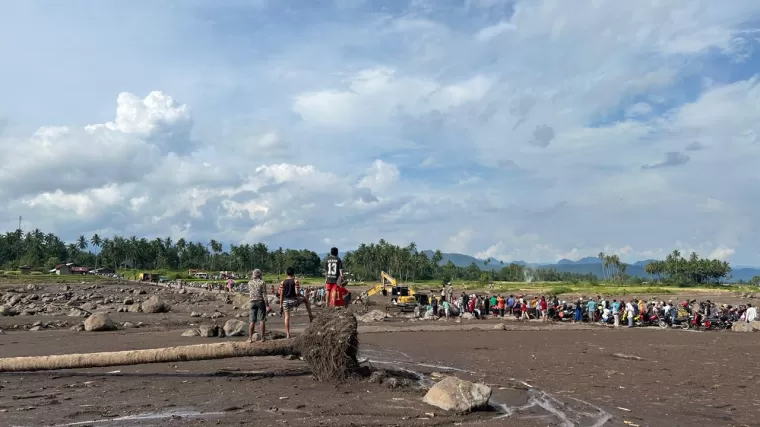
(556,375)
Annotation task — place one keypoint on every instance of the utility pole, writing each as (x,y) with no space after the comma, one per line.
(19,222)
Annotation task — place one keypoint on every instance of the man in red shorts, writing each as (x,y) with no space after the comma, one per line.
(333,275)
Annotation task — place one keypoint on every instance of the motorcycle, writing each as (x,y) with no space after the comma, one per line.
(674,319)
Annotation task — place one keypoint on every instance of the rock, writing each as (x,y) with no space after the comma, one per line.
(76,312)
(134,308)
(239,300)
(128,325)
(128,301)
(191,333)
(755,325)
(77,328)
(7,310)
(500,327)
(195,314)
(35,328)
(453,394)
(372,316)
(235,328)
(208,331)
(1,332)
(89,306)
(467,316)
(216,315)
(99,322)
(154,304)
(742,327)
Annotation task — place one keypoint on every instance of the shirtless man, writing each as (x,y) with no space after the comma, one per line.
(290,298)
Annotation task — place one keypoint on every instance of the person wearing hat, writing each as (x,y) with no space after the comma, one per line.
(257,290)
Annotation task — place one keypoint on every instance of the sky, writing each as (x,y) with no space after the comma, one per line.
(516,129)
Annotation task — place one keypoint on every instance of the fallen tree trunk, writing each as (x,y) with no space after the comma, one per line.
(329,345)
(155,355)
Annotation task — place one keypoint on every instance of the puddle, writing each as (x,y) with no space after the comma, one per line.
(538,404)
(131,420)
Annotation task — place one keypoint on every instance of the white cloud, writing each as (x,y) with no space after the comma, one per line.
(722,253)
(519,130)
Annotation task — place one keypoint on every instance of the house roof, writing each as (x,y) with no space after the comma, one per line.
(84,269)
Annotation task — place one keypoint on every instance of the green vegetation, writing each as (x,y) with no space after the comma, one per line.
(677,270)
(134,255)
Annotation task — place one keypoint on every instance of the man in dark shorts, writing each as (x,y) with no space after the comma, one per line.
(290,298)
(333,275)
(259,304)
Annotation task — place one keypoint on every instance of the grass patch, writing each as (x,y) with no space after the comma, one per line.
(559,290)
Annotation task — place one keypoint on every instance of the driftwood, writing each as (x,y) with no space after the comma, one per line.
(329,346)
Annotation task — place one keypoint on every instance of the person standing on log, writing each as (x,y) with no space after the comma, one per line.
(333,275)
(290,298)
(257,289)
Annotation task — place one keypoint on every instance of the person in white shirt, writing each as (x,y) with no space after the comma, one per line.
(751,314)
(605,314)
(631,313)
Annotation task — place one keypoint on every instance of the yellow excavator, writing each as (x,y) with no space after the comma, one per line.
(403,297)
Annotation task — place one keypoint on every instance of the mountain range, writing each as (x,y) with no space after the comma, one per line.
(587,265)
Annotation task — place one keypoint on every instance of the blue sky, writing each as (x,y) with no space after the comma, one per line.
(521,130)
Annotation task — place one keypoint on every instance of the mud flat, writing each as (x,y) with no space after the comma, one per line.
(556,375)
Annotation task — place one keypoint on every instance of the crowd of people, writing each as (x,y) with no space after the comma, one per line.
(626,311)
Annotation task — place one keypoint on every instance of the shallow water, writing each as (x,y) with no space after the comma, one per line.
(131,420)
(515,399)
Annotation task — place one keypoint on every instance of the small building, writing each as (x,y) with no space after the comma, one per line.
(79,270)
(25,269)
(61,270)
(69,268)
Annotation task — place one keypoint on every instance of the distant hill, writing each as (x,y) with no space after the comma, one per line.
(587,265)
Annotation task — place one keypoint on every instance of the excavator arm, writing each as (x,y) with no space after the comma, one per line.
(385,276)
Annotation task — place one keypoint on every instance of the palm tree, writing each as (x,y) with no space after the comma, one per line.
(95,241)
(82,243)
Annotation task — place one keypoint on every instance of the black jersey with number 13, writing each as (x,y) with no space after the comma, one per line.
(333,267)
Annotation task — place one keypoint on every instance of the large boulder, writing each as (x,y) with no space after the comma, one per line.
(742,327)
(755,325)
(456,395)
(154,304)
(241,300)
(235,328)
(99,322)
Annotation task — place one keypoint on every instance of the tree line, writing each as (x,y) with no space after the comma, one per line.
(679,270)
(42,251)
